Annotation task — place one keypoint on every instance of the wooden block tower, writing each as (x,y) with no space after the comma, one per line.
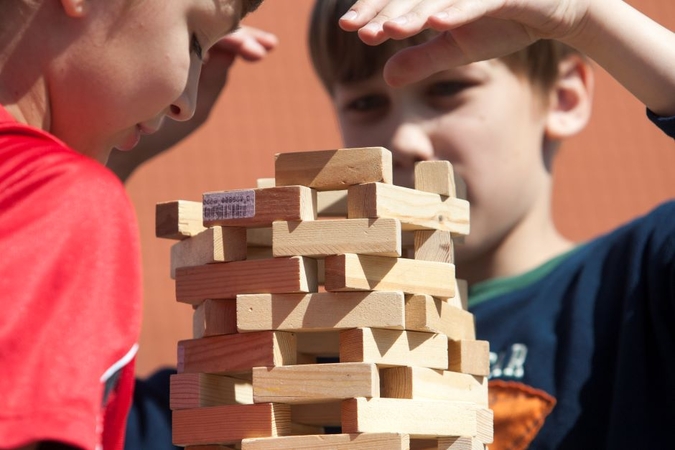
(326,299)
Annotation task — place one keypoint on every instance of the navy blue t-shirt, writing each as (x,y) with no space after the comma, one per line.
(595,329)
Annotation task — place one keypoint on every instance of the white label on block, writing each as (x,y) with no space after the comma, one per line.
(229,205)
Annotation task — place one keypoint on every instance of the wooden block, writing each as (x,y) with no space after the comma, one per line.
(462,293)
(320,344)
(369,441)
(485,418)
(334,237)
(352,272)
(460,443)
(210,447)
(317,414)
(259,207)
(226,280)
(426,313)
(417,210)
(301,429)
(421,383)
(418,418)
(471,357)
(220,317)
(212,245)
(437,177)
(265,182)
(196,390)
(199,321)
(331,203)
(178,219)
(229,424)
(423,444)
(315,383)
(320,312)
(396,348)
(331,170)
(259,237)
(236,352)
(434,245)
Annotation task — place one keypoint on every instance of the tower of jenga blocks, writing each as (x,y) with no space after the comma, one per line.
(326,298)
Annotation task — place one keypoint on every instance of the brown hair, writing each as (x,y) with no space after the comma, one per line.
(341,57)
(248,6)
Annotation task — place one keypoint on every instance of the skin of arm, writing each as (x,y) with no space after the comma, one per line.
(633,48)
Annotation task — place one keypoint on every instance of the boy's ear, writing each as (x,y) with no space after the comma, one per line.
(571,98)
(75,8)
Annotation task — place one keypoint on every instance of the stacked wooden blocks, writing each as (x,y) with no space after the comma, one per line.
(290,278)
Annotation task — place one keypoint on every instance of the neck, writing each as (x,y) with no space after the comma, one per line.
(529,244)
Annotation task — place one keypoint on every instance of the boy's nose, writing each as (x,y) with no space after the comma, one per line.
(410,143)
(183,108)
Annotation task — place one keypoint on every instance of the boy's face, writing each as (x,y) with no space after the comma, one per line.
(484,119)
(129,66)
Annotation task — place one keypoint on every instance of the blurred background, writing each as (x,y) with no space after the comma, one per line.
(620,167)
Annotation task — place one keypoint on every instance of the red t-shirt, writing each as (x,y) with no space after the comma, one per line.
(71,292)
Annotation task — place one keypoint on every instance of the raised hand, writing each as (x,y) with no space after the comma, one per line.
(469,30)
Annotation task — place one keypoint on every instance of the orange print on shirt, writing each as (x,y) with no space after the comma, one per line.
(519,413)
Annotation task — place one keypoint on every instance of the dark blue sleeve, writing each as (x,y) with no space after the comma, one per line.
(149,421)
(666,124)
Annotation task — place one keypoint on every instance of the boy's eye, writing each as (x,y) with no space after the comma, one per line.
(196,47)
(447,88)
(367,103)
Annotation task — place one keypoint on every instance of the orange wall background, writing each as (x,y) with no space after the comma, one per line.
(619,167)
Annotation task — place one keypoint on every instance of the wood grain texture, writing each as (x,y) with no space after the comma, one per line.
(212,245)
(315,383)
(196,390)
(330,170)
(350,272)
(334,237)
(467,356)
(418,418)
(434,245)
(236,352)
(421,383)
(179,219)
(426,313)
(396,348)
(274,203)
(323,311)
(437,177)
(417,210)
(226,280)
(362,441)
(229,424)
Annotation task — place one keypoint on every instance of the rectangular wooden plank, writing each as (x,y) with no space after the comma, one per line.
(418,418)
(395,348)
(417,210)
(331,203)
(362,441)
(215,317)
(317,414)
(258,207)
(323,311)
(229,424)
(468,356)
(437,177)
(315,383)
(421,383)
(330,170)
(333,237)
(259,237)
(460,443)
(212,245)
(179,219)
(196,390)
(323,344)
(461,298)
(236,352)
(434,245)
(426,313)
(222,281)
(350,272)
